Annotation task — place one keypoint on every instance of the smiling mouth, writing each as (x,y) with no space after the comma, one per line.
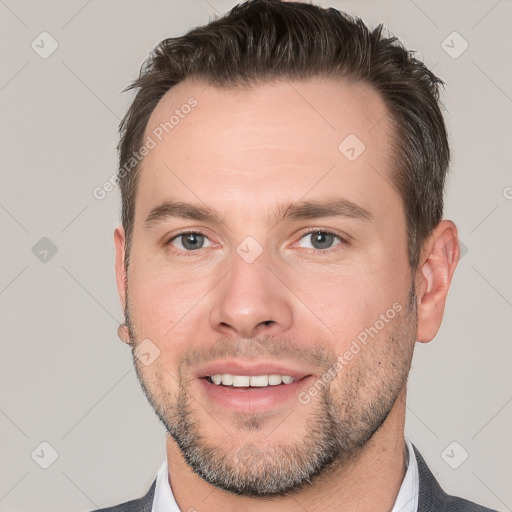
(252,381)
(255,393)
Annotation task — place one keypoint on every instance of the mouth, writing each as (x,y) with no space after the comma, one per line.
(251,388)
(250,381)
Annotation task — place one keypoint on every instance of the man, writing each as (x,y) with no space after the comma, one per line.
(282,250)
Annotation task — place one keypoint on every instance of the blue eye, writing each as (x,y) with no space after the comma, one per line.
(189,241)
(321,240)
(318,240)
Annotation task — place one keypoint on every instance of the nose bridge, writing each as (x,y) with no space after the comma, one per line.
(251,299)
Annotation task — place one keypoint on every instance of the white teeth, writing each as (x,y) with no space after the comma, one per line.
(274,380)
(227,379)
(217,379)
(258,381)
(240,381)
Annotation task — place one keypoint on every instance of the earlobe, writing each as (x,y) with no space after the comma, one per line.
(123,334)
(440,256)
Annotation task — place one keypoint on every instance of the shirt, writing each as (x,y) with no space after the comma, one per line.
(406,500)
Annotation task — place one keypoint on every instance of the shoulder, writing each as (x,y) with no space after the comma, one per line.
(433,498)
(143,504)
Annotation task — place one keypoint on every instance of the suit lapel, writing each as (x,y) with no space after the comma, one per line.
(144,504)
(431,497)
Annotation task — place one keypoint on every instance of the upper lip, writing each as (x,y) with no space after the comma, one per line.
(235,367)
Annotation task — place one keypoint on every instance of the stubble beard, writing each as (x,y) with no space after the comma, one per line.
(337,430)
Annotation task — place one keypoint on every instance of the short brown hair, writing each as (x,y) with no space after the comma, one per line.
(260,41)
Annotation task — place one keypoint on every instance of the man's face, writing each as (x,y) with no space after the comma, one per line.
(266,290)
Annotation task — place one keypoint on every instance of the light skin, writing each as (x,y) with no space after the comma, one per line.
(241,153)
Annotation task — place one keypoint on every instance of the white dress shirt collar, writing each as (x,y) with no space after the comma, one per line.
(407,499)
(164,498)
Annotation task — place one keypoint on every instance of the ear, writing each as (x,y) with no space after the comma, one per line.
(439,258)
(119,242)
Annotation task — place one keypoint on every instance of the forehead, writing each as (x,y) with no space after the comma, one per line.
(275,141)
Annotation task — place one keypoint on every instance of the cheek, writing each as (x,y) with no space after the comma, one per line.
(345,303)
(150,300)
(164,304)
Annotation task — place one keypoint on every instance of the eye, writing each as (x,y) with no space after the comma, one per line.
(320,240)
(189,241)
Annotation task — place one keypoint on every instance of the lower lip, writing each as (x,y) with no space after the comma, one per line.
(251,400)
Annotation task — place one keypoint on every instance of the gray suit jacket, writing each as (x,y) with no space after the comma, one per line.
(431,497)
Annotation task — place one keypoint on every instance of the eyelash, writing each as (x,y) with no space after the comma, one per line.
(188,254)
(330,250)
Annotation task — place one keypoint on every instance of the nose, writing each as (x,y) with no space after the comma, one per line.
(251,301)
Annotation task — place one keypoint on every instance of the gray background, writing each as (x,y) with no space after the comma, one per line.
(66,380)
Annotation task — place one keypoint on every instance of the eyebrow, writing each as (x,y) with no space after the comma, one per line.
(303,210)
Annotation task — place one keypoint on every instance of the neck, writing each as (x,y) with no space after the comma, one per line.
(368,483)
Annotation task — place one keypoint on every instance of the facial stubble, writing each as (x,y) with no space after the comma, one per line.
(339,426)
